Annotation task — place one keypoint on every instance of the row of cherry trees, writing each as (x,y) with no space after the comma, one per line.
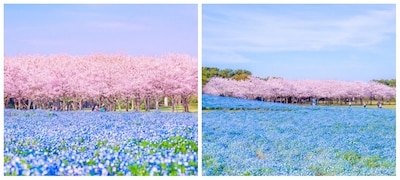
(298,91)
(67,82)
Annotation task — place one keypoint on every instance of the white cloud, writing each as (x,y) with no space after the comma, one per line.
(259,32)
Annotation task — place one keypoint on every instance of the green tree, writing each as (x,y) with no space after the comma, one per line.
(209,72)
(388,82)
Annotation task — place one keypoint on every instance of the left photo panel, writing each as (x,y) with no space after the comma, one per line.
(107,90)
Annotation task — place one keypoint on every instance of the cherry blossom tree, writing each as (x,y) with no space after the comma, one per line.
(296,91)
(65,82)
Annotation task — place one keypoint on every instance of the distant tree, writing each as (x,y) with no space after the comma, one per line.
(388,82)
(226,73)
(210,72)
(242,71)
(239,77)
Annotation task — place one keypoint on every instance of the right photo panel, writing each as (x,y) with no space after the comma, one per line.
(299,90)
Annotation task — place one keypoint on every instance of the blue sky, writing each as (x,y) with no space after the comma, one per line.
(336,42)
(136,30)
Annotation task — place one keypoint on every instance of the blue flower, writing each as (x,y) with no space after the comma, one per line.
(84,143)
(260,138)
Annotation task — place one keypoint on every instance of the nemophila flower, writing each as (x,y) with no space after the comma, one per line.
(269,139)
(84,143)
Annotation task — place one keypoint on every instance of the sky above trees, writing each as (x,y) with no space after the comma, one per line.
(336,42)
(83,29)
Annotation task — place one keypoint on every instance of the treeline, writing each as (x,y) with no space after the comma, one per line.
(65,82)
(387,82)
(300,91)
(209,72)
(240,83)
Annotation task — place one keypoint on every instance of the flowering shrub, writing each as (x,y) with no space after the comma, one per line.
(89,143)
(296,140)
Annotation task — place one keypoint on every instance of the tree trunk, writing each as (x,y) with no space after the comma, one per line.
(16,104)
(134,101)
(80,104)
(179,101)
(73,106)
(157,103)
(119,106)
(147,104)
(7,100)
(172,104)
(127,105)
(28,106)
(138,104)
(186,101)
(165,101)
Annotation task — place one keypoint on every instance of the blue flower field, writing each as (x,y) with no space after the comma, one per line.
(242,137)
(39,142)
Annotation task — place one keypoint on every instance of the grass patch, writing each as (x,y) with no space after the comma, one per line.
(352,157)
(208,160)
(377,162)
(7,159)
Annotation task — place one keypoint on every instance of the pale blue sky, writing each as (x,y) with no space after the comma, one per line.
(338,42)
(136,30)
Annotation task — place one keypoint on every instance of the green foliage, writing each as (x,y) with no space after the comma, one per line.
(209,72)
(264,171)
(388,82)
(178,143)
(239,77)
(65,162)
(138,170)
(7,159)
(173,169)
(91,162)
(82,149)
(352,157)
(109,168)
(319,170)
(208,160)
(163,166)
(192,163)
(24,152)
(101,143)
(377,162)
(96,153)
(116,148)
(14,173)
(247,173)
(144,144)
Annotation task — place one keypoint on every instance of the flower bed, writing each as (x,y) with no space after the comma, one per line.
(91,143)
(297,140)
